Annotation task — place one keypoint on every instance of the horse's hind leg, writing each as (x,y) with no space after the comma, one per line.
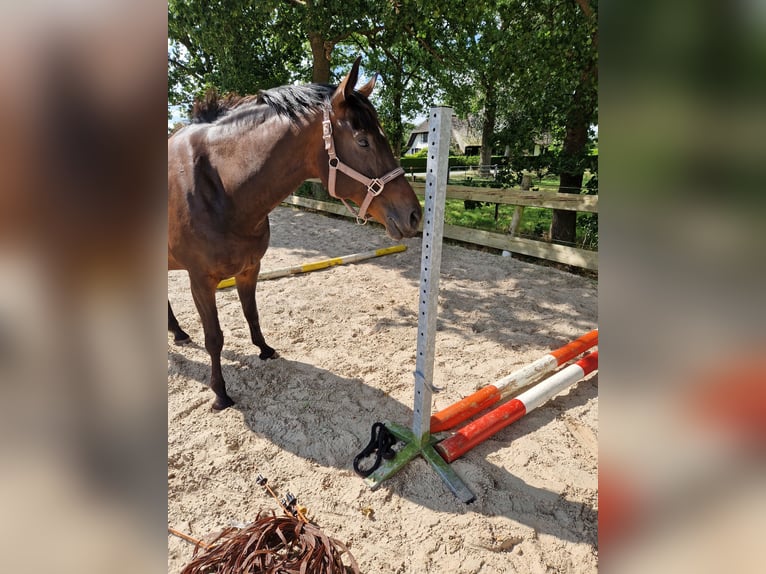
(203,291)
(180,337)
(246,289)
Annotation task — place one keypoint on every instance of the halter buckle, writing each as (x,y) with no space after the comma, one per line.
(375,187)
(327,135)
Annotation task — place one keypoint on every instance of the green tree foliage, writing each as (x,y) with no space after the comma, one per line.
(392,50)
(527,68)
(234,45)
(326,24)
(555,84)
(246,45)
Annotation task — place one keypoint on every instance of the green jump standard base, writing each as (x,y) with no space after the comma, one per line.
(413,448)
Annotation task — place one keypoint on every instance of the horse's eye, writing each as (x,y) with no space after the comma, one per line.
(363,142)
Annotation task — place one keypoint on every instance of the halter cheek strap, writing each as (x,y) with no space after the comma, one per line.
(374,185)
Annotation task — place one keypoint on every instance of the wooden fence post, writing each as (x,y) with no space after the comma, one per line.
(526,184)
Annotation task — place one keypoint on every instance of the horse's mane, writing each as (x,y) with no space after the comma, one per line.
(293,102)
(213,106)
(296,101)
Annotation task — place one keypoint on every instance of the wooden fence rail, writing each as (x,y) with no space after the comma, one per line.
(560,253)
(510,196)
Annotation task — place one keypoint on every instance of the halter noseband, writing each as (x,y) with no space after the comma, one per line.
(374,185)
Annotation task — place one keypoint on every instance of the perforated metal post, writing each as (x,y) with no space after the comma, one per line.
(419,440)
(437,167)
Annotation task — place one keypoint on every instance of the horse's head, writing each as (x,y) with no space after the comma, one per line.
(358,149)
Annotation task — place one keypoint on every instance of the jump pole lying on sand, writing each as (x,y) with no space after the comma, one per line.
(502,389)
(323,264)
(419,440)
(484,427)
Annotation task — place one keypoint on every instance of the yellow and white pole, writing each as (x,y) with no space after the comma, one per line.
(323,264)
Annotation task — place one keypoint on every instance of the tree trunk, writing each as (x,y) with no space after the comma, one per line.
(564,223)
(488,131)
(320,57)
(320,74)
(395,130)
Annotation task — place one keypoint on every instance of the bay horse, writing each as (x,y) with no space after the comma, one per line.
(239,159)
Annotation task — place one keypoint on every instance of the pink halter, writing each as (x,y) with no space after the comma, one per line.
(374,186)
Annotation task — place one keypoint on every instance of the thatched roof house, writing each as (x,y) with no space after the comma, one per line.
(465,140)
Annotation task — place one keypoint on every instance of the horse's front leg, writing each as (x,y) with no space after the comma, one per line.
(203,290)
(246,283)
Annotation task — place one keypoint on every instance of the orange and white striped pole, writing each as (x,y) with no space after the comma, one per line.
(491,394)
(484,427)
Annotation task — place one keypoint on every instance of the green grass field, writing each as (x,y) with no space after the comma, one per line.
(535,222)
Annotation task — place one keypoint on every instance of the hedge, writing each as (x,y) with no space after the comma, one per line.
(419,163)
(550,161)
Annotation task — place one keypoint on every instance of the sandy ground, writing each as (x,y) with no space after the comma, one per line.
(346,338)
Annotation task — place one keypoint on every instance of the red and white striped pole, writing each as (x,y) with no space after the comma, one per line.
(491,394)
(484,427)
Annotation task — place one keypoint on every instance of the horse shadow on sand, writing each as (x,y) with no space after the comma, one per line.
(325,418)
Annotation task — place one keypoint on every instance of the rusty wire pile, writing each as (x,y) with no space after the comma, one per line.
(272,545)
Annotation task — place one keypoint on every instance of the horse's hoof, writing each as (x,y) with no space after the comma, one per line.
(182,340)
(220,403)
(269,353)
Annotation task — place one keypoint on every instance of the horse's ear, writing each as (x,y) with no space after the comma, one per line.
(366,89)
(346,85)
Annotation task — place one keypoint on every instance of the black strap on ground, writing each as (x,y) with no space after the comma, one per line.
(381,441)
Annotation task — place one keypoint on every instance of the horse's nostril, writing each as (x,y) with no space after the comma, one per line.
(415,218)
